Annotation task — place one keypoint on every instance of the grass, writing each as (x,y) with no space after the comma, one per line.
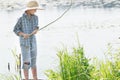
(71,67)
(17,60)
(110,68)
(75,66)
(10,75)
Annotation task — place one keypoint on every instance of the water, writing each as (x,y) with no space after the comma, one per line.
(95,28)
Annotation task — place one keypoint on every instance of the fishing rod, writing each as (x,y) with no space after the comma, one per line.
(58,17)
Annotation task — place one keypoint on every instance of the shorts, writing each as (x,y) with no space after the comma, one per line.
(29,53)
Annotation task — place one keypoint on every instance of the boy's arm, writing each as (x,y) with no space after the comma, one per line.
(28,35)
(18,31)
(17,27)
(21,33)
(34,32)
(24,35)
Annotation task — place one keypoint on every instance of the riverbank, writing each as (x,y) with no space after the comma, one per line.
(11,5)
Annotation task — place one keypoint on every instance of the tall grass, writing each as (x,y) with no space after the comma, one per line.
(108,69)
(71,67)
(17,58)
(17,74)
(9,76)
(75,66)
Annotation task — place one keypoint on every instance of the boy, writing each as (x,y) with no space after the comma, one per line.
(26,28)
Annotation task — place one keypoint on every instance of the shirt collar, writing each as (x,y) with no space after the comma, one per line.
(25,14)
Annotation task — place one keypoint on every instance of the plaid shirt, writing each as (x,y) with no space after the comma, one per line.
(26,25)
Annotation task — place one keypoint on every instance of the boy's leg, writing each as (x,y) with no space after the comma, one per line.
(33,66)
(33,59)
(26,70)
(26,60)
(34,72)
(26,74)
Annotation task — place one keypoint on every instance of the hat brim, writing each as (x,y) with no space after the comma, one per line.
(37,8)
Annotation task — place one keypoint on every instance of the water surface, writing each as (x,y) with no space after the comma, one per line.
(95,28)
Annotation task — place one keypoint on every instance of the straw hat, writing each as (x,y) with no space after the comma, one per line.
(32,5)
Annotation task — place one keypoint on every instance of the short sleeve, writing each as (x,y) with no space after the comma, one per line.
(17,27)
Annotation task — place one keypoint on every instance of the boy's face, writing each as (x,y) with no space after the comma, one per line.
(32,11)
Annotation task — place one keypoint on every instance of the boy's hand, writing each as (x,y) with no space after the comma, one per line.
(34,32)
(25,36)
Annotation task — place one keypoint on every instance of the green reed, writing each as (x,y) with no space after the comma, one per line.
(9,76)
(17,74)
(17,58)
(72,66)
(108,69)
(75,66)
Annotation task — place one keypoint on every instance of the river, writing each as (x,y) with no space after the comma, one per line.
(95,28)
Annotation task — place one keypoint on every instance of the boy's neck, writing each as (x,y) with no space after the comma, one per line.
(28,13)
